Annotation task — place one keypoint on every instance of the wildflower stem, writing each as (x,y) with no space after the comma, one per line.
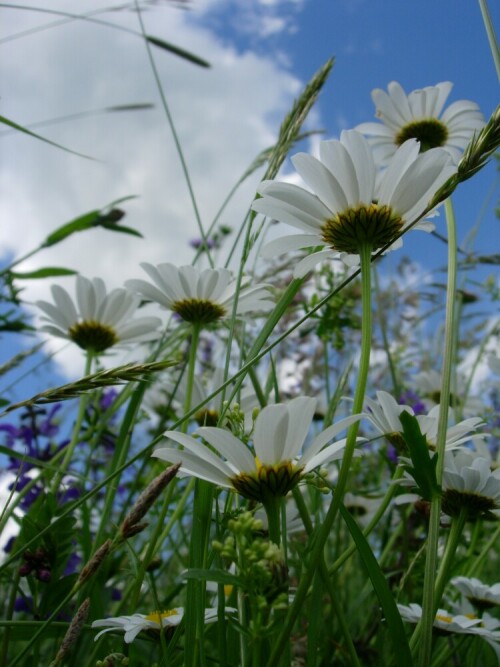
(320,538)
(457,526)
(428,602)
(382,508)
(490,31)
(476,564)
(82,406)
(178,147)
(202,515)
(272,506)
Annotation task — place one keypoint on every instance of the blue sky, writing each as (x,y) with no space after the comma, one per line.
(262,53)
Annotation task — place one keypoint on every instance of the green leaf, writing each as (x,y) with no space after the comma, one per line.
(423,470)
(20,128)
(218,576)
(48,272)
(108,220)
(122,229)
(402,654)
(79,224)
(182,53)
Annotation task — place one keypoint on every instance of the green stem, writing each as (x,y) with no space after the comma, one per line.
(198,549)
(119,458)
(456,530)
(82,406)
(325,529)
(178,147)
(490,31)
(272,506)
(475,566)
(383,330)
(386,501)
(428,601)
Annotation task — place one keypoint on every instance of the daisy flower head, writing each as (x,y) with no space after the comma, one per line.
(420,116)
(200,297)
(384,416)
(479,595)
(457,435)
(150,624)
(97,320)
(274,465)
(352,204)
(447,622)
(428,385)
(469,485)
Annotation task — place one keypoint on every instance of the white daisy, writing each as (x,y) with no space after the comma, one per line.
(419,116)
(480,595)
(428,385)
(274,466)
(384,414)
(456,436)
(98,320)
(469,485)
(197,296)
(352,204)
(448,622)
(152,623)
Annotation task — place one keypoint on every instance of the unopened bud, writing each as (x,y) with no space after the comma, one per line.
(44,575)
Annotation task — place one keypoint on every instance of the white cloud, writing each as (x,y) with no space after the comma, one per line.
(224,117)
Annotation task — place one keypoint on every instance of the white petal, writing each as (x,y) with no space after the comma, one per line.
(301,412)
(270,433)
(230,447)
(321,181)
(290,243)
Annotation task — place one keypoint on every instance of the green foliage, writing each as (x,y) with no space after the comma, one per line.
(424,465)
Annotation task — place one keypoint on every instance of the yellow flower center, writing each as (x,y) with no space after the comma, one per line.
(445,619)
(267,480)
(198,311)
(429,131)
(93,336)
(157,617)
(375,225)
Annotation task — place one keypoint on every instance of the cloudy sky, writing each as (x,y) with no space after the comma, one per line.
(261,53)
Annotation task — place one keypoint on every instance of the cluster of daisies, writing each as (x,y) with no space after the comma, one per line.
(363,192)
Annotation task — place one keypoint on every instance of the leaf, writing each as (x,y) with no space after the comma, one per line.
(402,654)
(48,272)
(122,229)
(108,220)
(423,470)
(79,224)
(218,576)
(20,128)
(177,50)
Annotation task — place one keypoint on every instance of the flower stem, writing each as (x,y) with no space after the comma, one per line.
(82,406)
(202,516)
(321,536)
(456,530)
(272,506)
(429,603)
